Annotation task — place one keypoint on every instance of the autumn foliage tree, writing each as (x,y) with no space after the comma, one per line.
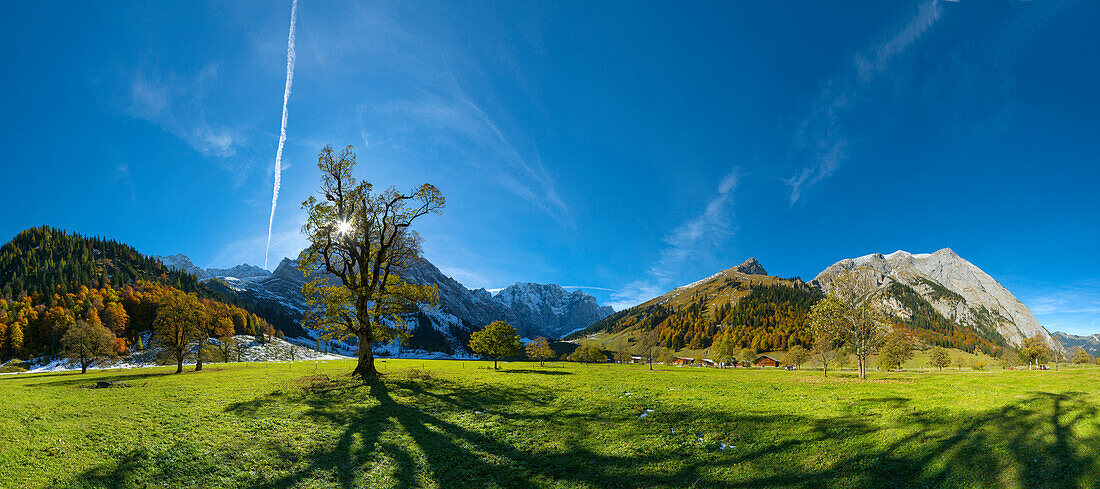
(178,323)
(895,351)
(588,353)
(651,346)
(362,239)
(496,341)
(725,350)
(539,350)
(216,322)
(852,314)
(939,358)
(1035,350)
(826,352)
(797,355)
(1080,356)
(87,344)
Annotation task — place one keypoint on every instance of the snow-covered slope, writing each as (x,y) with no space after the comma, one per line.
(549,310)
(181,262)
(271,350)
(535,309)
(953,286)
(239,271)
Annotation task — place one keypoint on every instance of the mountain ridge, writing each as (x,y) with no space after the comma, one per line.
(1090,343)
(534,309)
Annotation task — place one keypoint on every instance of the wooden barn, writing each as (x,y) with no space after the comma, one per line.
(765,361)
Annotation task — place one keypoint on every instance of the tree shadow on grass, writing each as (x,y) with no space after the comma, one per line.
(85,379)
(409,433)
(536,371)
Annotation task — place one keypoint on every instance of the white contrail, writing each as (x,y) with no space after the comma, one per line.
(282,127)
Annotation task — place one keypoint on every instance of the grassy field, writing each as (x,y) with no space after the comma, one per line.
(458,424)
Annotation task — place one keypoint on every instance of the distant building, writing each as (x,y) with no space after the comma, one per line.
(765,361)
(637,359)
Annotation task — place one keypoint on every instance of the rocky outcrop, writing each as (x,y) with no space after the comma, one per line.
(953,286)
(751,267)
(182,263)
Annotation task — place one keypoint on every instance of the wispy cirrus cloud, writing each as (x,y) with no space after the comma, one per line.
(175,104)
(1072,307)
(691,240)
(460,125)
(428,101)
(821,137)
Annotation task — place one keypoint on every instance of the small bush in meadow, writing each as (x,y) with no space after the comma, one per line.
(417,374)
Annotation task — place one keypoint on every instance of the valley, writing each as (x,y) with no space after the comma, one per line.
(567,425)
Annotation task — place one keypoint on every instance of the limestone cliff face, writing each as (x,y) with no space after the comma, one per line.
(549,310)
(955,287)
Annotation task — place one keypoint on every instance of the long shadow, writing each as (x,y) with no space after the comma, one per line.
(1044,440)
(535,371)
(87,379)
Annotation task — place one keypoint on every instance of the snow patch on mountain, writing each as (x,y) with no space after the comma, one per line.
(534,309)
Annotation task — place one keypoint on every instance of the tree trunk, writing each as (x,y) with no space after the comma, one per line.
(825,369)
(494,364)
(198,357)
(862,367)
(365,368)
(83,368)
(179,365)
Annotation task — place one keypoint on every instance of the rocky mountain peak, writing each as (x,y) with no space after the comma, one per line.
(181,262)
(953,286)
(288,270)
(751,267)
(240,271)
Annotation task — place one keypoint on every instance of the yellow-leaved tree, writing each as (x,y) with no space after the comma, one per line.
(496,341)
(851,314)
(359,243)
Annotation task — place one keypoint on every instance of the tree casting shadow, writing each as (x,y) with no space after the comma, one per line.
(1043,440)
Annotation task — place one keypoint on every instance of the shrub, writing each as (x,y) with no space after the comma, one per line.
(14,366)
(979,365)
(417,374)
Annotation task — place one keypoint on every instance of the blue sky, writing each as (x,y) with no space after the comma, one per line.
(625,147)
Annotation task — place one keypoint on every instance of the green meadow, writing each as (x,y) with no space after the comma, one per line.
(459,424)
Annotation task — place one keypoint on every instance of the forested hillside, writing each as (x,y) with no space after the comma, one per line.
(45,259)
(52,278)
(758,311)
(769,317)
(768,313)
